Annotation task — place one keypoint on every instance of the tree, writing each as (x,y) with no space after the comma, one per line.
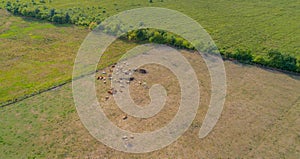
(68,18)
(8,6)
(157,38)
(289,62)
(58,18)
(282,61)
(178,42)
(298,65)
(275,58)
(37,11)
(259,60)
(243,55)
(52,12)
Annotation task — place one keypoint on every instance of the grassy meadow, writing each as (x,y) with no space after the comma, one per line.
(37,55)
(260,116)
(34,55)
(257,26)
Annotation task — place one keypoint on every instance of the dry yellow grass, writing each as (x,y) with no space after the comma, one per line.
(260,119)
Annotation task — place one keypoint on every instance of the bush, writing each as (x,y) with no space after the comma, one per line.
(92,25)
(281,61)
(243,55)
(260,60)
(298,65)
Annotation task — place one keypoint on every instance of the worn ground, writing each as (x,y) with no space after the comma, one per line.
(260,119)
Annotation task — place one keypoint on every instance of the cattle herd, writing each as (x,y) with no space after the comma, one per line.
(121,76)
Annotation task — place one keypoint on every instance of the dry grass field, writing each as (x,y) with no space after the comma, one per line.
(261,114)
(260,118)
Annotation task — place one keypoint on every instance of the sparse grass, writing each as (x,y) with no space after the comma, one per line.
(259,119)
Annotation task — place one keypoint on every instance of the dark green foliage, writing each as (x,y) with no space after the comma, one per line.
(68,18)
(52,12)
(38,9)
(243,56)
(298,65)
(260,60)
(281,61)
(158,36)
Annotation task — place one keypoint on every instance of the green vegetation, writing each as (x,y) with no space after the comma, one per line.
(92,13)
(273,58)
(37,55)
(40,11)
(47,125)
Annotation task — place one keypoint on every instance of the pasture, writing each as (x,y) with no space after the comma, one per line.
(260,118)
(251,25)
(38,55)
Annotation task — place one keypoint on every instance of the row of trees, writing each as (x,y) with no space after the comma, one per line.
(273,58)
(160,37)
(40,11)
(76,16)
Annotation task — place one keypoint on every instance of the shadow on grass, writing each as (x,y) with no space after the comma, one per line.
(293,75)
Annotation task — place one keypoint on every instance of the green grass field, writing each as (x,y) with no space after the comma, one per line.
(261,114)
(257,26)
(37,55)
(34,55)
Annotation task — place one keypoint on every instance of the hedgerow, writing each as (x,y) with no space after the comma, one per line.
(77,16)
(40,11)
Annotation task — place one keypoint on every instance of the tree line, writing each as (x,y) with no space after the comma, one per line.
(38,9)
(273,58)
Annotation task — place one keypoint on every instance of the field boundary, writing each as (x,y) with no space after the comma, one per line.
(5,104)
(262,66)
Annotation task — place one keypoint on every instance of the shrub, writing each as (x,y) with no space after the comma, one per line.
(258,59)
(298,65)
(243,55)
(92,25)
(52,12)
(282,61)
(68,18)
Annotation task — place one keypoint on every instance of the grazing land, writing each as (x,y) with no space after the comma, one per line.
(37,55)
(34,55)
(257,26)
(260,118)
